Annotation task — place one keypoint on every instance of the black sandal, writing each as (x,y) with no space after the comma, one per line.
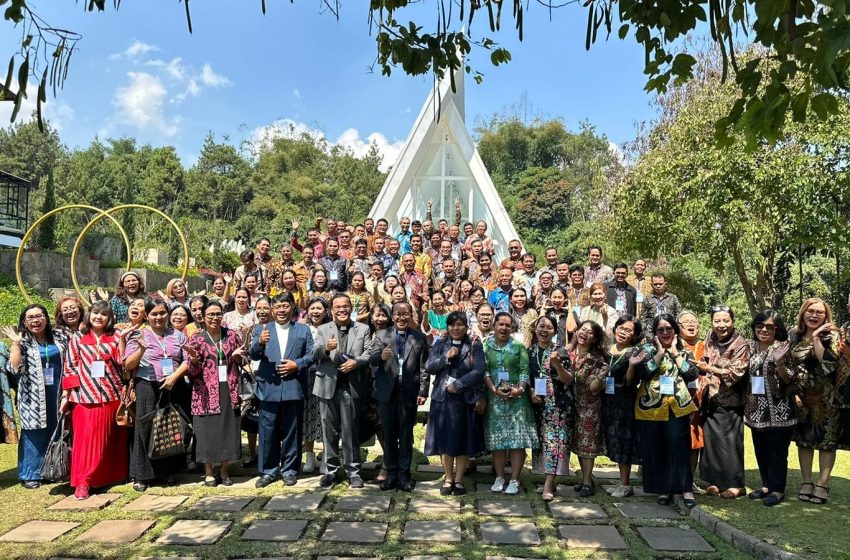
(805,496)
(458,489)
(447,489)
(815,499)
(664,500)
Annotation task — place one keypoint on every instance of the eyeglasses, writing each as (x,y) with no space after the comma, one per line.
(815,312)
(665,330)
(401,315)
(33,318)
(720,309)
(763,327)
(213,315)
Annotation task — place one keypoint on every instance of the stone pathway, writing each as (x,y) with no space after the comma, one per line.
(301,522)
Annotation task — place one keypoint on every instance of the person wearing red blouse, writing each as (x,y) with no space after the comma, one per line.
(92,383)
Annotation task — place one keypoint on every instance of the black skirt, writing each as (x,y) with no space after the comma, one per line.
(453,428)
(218,435)
(147,395)
(721,463)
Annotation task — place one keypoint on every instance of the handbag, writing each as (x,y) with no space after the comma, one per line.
(56,466)
(126,413)
(169,430)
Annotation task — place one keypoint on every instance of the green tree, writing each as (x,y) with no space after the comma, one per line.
(47,233)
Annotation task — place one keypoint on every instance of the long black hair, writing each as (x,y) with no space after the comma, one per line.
(22,322)
(669,319)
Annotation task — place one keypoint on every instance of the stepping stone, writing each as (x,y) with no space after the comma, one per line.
(592,536)
(564,491)
(510,533)
(222,503)
(639,493)
(363,504)
(308,483)
(428,487)
(171,558)
(122,531)
(355,532)
(427,468)
(194,532)
(95,501)
(425,557)
(576,510)
(295,502)
(152,502)
(345,558)
(244,481)
(434,531)
(514,508)
(509,558)
(269,558)
(647,510)
(437,507)
(484,488)
(274,530)
(674,539)
(39,531)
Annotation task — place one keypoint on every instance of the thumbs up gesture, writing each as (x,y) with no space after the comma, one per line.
(332,344)
(265,336)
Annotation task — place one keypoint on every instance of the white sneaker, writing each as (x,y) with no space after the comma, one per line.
(513,488)
(612,489)
(623,491)
(310,464)
(499,485)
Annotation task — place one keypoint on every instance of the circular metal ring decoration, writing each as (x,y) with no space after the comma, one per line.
(20,255)
(108,213)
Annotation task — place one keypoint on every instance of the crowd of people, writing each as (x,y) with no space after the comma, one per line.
(345,343)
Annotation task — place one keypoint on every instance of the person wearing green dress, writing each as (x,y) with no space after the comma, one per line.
(509,426)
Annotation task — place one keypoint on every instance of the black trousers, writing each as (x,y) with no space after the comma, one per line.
(281,431)
(398,418)
(771,448)
(666,454)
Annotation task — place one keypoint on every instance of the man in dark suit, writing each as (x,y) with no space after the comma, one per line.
(341,354)
(398,362)
(285,352)
(622,296)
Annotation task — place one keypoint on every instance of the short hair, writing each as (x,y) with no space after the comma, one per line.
(576,268)
(416,235)
(22,321)
(246,254)
(360,241)
(415,223)
(659,275)
(211,303)
(781,332)
(405,303)
(284,297)
(59,321)
(200,297)
(382,220)
(715,309)
(457,317)
(152,304)
(550,248)
(532,255)
(266,239)
(484,304)
(626,318)
(620,265)
(592,247)
(340,295)
(468,224)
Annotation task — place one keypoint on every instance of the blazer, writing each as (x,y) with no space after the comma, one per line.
(467,368)
(631,297)
(270,385)
(358,345)
(414,376)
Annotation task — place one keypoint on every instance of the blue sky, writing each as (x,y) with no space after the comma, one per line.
(140,73)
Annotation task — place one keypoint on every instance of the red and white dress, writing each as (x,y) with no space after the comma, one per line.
(93,378)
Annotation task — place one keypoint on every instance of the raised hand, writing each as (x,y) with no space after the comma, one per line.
(637,358)
(102,293)
(123,334)
(387,353)
(265,335)
(228,278)
(818,331)
(453,353)
(194,355)
(332,344)
(430,204)
(296,224)
(12,335)
(779,354)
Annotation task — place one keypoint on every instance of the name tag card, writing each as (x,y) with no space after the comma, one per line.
(620,305)
(98,369)
(222,373)
(693,384)
(577,310)
(48,375)
(639,297)
(334,275)
(503,375)
(540,387)
(167,366)
(609,386)
(757,384)
(667,385)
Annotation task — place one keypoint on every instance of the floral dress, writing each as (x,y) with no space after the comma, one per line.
(819,425)
(509,423)
(621,435)
(588,441)
(554,416)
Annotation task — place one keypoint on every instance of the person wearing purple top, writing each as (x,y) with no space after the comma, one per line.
(157,361)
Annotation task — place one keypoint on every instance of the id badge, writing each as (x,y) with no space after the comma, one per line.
(757,384)
(449,381)
(693,384)
(409,291)
(620,305)
(609,385)
(334,275)
(577,310)
(255,365)
(98,369)
(639,298)
(503,375)
(540,387)
(222,373)
(48,375)
(167,366)
(667,385)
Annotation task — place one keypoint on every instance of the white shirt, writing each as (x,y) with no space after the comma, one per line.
(282,332)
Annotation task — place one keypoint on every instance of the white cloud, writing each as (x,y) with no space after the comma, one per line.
(617,151)
(140,104)
(57,112)
(136,50)
(296,94)
(211,79)
(262,136)
(173,67)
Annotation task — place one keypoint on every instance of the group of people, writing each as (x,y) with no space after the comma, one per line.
(348,341)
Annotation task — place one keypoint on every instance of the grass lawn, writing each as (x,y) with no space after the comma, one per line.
(23,505)
(810,530)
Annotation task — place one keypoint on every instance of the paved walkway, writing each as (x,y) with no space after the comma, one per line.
(304,521)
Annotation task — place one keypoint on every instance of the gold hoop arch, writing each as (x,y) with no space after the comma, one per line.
(108,213)
(20,255)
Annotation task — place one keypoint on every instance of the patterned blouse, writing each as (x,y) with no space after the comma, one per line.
(775,408)
(512,357)
(650,403)
(168,346)
(204,375)
(732,356)
(30,393)
(86,380)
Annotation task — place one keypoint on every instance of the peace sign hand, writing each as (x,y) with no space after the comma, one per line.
(194,355)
